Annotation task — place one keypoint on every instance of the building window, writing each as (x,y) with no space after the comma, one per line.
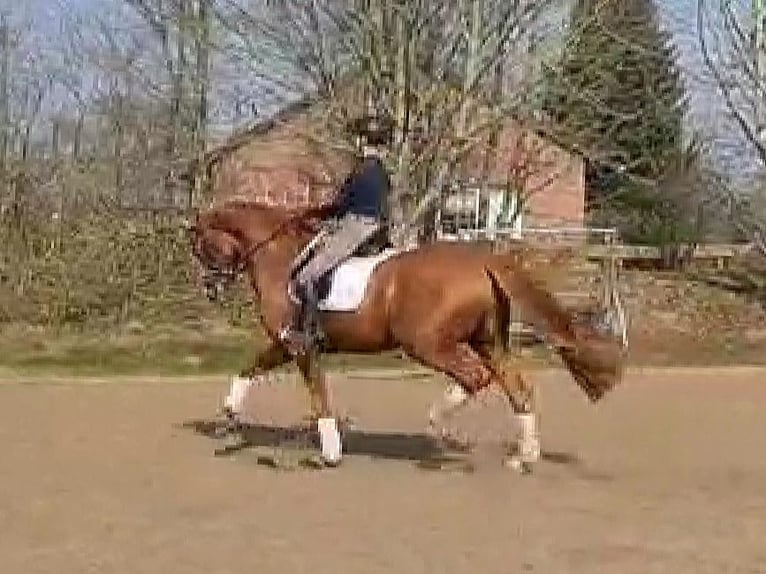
(469,212)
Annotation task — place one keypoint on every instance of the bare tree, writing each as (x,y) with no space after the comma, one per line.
(169,61)
(5,65)
(435,68)
(24,92)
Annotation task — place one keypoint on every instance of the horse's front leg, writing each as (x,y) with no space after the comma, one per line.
(322,410)
(272,357)
(442,410)
(469,374)
(316,385)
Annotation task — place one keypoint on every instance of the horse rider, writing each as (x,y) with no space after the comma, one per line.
(361,213)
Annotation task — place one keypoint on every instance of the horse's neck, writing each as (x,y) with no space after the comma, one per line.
(248,223)
(273,265)
(292,244)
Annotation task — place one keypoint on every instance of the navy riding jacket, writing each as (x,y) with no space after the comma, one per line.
(365,191)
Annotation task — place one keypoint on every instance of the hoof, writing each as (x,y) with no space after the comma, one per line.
(307,424)
(317,463)
(311,422)
(227,413)
(457,444)
(520,466)
(220,432)
(233,423)
(227,423)
(312,463)
(269,461)
(347,423)
(451,440)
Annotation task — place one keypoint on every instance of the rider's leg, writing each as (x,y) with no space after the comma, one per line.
(350,233)
(295,334)
(338,245)
(311,310)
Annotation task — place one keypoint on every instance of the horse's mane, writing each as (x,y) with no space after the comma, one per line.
(245,204)
(306,219)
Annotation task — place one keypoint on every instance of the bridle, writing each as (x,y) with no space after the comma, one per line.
(241,262)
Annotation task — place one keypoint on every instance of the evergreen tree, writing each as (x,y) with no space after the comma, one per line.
(617,97)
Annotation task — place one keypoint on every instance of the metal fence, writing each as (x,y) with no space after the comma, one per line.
(470,212)
(493,214)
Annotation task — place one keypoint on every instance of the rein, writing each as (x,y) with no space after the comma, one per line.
(239,267)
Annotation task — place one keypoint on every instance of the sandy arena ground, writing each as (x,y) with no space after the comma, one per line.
(668,475)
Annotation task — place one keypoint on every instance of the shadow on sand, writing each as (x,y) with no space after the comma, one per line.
(419,448)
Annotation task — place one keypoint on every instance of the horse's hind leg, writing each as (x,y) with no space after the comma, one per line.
(524,400)
(469,373)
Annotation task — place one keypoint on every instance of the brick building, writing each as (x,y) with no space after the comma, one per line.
(276,163)
(523,182)
(280,162)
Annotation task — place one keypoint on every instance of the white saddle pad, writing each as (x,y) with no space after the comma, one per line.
(349,281)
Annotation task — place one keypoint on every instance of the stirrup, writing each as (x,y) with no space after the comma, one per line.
(297,342)
(294,297)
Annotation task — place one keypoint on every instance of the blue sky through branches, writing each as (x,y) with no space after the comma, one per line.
(46,22)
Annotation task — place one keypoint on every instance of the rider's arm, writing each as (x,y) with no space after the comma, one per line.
(342,199)
(334,208)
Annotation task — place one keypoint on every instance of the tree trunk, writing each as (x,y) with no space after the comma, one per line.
(5,104)
(403,234)
(203,87)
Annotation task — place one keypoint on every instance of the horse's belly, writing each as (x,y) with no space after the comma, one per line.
(356,332)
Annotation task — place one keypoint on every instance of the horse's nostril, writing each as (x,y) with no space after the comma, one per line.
(210,289)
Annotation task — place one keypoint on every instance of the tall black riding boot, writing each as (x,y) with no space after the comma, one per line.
(311,316)
(302,333)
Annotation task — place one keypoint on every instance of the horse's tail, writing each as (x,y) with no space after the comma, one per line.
(595,361)
(554,260)
(502,326)
(514,285)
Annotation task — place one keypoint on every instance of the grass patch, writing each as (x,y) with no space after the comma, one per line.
(166,353)
(160,351)
(212,350)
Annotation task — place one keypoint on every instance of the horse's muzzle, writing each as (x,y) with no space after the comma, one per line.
(213,290)
(214,283)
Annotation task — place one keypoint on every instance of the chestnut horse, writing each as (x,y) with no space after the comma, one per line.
(446,305)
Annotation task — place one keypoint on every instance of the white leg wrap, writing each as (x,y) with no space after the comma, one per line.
(240,387)
(529,437)
(454,397)
(329,438)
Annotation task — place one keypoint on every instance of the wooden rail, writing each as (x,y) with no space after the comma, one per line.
(607,248)
(721,253)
